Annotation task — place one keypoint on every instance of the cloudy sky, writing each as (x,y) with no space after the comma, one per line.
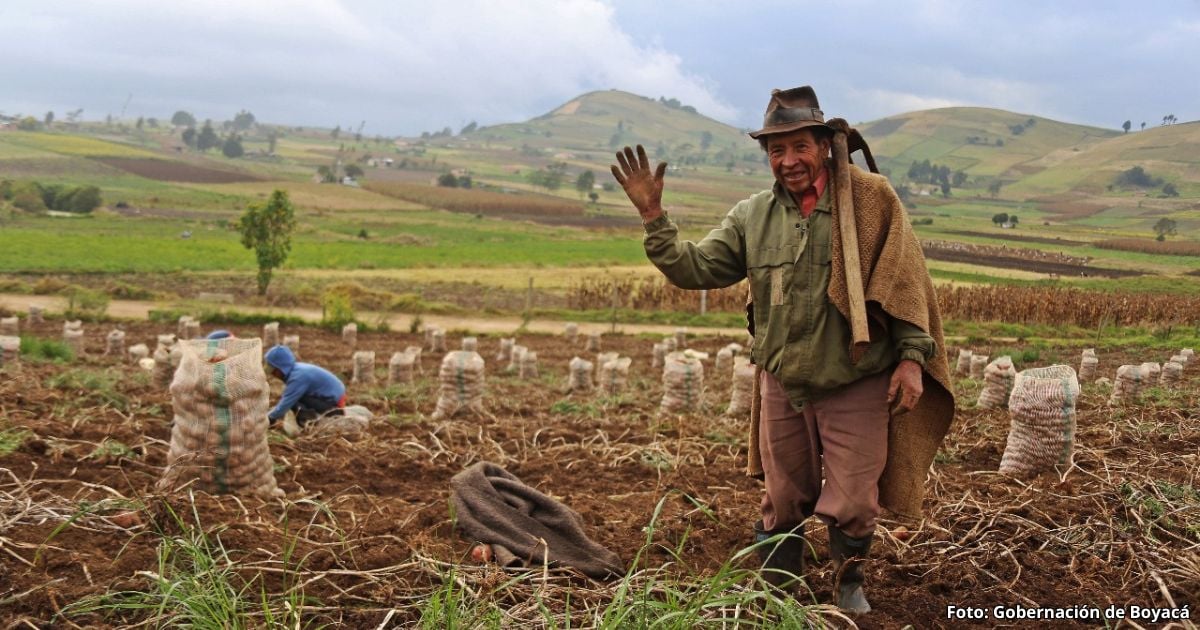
(406,66)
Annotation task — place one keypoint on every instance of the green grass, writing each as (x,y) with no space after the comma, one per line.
(91,386)
(11,439)
(45,349)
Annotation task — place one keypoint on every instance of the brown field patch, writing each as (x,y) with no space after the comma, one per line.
(1151,246)
(1066,206)
(1020,238)
(175,171)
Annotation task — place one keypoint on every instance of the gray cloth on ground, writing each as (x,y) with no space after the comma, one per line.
(493,506)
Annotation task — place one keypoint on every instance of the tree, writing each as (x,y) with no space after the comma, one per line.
(447,180)
(233,147)
(267,229)
(353,170)
(960,178)
(189,137)
(1013,220)
(152,122)
(584,182)
(243,120)
(208,138)
(1143,125)
(49,119)
(183,119)
(140,123)
(337,131)
(272,138)
(593,196)
(994,188)
(706,140)
(1000,218)
(1163,228)
(1169,190)
(1126,125)
(471,126)
(945,189)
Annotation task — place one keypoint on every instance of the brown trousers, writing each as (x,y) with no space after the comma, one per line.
(848,431)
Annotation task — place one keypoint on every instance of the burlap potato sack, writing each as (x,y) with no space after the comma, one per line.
(461,384)
(1041,435)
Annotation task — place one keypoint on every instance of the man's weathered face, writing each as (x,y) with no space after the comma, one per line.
(797,158)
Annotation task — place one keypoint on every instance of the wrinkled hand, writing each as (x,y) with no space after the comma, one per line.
(643,187)
(906,380)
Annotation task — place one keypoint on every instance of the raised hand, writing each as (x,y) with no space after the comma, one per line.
(643,187)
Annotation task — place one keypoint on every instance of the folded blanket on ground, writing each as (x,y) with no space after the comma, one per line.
(495,507)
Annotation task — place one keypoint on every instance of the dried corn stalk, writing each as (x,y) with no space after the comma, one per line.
(998,379)
(1042,433)
(461,379)
(219,437)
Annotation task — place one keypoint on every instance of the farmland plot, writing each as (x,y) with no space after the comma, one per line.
(365,537)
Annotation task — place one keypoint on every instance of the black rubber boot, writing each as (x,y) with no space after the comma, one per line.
(782,561)
(847,554)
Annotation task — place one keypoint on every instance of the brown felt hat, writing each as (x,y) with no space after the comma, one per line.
(790,110)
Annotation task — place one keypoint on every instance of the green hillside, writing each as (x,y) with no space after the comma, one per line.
(983,142)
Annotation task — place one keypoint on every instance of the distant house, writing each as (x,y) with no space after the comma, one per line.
(349,181)
(1007,226)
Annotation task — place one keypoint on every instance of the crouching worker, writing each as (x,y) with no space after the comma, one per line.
(309,391)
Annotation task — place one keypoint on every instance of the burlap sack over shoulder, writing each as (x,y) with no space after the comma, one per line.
(998,379)
(219,438)
(461,385)
(10,326)
(525,527)
(683,383)
(580,377)
(1042,433)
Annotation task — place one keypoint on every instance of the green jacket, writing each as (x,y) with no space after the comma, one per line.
(800,337)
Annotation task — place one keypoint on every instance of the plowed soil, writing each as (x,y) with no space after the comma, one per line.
(175,171)
(373,536)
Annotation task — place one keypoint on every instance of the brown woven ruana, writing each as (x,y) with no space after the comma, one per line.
(219,438)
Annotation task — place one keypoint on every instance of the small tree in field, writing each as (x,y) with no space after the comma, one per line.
(584,182)
(1163,228)
(267,229)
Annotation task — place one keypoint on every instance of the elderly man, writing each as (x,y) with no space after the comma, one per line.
(826,399)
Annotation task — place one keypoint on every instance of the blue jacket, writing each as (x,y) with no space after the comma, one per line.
(300,380)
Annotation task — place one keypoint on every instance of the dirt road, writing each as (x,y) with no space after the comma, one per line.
(140,309)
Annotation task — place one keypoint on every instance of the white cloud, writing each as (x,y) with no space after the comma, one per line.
(406,66)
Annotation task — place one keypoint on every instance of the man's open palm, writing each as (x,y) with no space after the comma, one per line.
(643,187)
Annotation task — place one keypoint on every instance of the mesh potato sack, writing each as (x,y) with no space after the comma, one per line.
(660,355)
(614,375)
(1087,367)
(1041,435)
(74,340)
(350,334)
(270,335)
(593,342)
(138,352)
(514,359)
(681,338)
(963,367)
(741,395)
(219,437)
(10,349)
(115,346)
(10,326)
(978,363)
(1172,372)
(439,341)
(181,326)
(400,368)
(571,332)
(35,315)
(162,372)
(1128,386)
(998,379)
(364,367)
(1152,371)
(191,330)
(724,360)
(461,384)
(683,383)
(506,346)
(416,351)
(529,365)
(293,344)
(580,377)
(470,344)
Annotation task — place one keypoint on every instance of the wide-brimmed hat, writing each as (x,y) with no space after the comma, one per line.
(790,110)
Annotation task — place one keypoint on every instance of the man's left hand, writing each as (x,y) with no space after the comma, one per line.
(906,381)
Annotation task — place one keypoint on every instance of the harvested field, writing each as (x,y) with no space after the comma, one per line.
(1017,258)
(175,171)
(365,538)
(1067,206)
(1020,238)
(1151,246)
(516,207)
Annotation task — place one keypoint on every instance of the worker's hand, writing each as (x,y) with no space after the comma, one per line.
(906,381)
(643,187)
